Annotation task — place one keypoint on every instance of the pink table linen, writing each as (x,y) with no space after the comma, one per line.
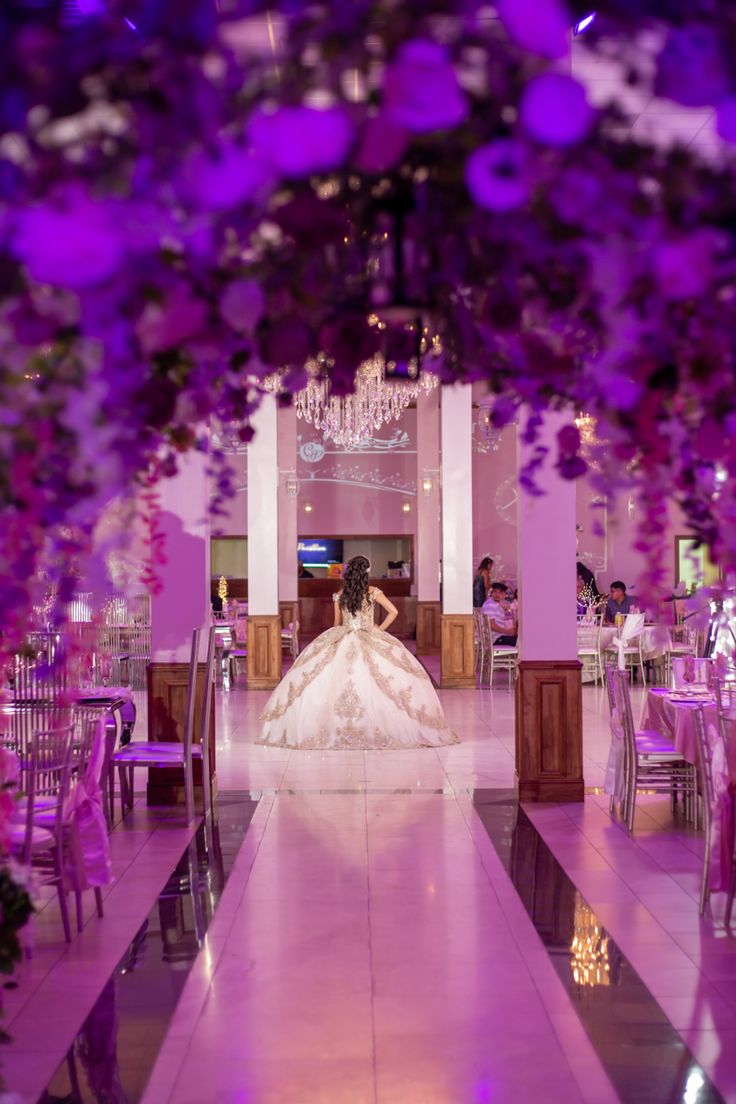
(675,719)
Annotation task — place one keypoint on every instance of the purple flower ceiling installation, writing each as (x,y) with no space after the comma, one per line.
(194,193)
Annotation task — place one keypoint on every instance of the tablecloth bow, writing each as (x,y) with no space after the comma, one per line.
(89,863)
(632,628)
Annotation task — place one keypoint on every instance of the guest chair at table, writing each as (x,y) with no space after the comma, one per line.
(589,652)
(726,712)
(501,657)
(628,645)
(173,754)
(290,638)
(47,772)
(691,671)
(690,644)
(650,760)
(712,759)
(482,641)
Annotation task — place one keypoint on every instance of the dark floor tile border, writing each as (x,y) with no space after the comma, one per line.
(114,1052)
(646,1060)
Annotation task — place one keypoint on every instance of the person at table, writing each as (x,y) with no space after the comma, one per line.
(619,602)
(588,579)
(582,604)
(503,628)
(482,582)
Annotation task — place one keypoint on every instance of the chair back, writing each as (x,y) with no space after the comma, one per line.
(486,633)
(622,705)
(39,691)
(632,627)
(726,707)
(705,752)
(691,671)
(88,719)
(191,692)
(48,771)
(609,671)
(209,676)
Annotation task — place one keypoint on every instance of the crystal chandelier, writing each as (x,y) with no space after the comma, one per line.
(349,420)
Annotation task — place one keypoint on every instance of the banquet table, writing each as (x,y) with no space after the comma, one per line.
(118,699)
(670,713)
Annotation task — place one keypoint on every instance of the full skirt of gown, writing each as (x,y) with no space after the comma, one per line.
(355,689)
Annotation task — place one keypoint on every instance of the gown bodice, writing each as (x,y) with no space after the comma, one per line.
(363,619)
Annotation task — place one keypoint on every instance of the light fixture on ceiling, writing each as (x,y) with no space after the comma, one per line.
(584,23)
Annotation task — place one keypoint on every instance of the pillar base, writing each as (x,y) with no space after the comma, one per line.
(167,698)
(429,633)
(549,731)
(263,666)
(457,657)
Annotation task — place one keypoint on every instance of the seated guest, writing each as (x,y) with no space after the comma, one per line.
(503,629)
(619,602)
(482,582)
(588,579)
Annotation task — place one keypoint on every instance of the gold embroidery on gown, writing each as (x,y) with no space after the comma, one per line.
(355,687)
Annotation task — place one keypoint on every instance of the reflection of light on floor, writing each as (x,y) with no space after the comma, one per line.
(695,1082)
(589,948)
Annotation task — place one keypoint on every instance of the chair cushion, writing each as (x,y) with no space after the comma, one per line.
(651,742)
(144,751)
(42,840)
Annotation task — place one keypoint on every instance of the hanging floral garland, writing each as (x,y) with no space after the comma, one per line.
(193,195)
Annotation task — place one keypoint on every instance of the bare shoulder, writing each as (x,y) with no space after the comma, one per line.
(337,596)
(375,592)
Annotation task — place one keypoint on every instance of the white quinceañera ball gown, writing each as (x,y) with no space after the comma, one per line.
(355,686)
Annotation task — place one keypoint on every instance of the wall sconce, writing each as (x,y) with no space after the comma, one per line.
(291,484)
(406,507)
(307,507)
(429,482)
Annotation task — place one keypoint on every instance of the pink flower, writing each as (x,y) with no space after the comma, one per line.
(684,268)
(554,110)
(70,240)
(496,175)
(298,141)
(241,305)
(226,178)
(539,26)
(166,324)
(421,91)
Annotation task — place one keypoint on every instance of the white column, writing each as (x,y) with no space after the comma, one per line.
(546,534)
(183,603)
(287,506)
(428,504)
(263,541)
(457,500)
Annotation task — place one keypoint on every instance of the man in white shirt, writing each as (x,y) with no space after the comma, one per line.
(503,628)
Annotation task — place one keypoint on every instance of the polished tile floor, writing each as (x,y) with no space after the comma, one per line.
(370,946)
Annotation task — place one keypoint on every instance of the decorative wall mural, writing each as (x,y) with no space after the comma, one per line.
(312,451)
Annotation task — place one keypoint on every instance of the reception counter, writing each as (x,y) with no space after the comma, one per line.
(318,611)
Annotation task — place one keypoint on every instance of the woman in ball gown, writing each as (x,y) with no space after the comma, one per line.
(356,686)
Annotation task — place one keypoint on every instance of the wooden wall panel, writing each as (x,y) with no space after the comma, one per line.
(167,699)
(263,664)
(549,731)
(457,656)
(429,628)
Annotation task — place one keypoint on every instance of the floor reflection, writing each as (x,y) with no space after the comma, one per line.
(644,1057)
(113,1054)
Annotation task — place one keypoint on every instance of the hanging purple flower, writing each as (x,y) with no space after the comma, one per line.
(70,240)
(285,342)
(241,305)
(726,119)
(421,91)
(166,324)
(497,175)
(691,69)
(539,26)
(684,268)
(348,340)
(225,178)
(297,141)
(554,110)
(382,144)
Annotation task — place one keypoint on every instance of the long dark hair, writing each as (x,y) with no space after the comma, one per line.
(485,565)
(355,584)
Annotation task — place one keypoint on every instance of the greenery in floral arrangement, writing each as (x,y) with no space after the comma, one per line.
(16,908)
(195,195)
